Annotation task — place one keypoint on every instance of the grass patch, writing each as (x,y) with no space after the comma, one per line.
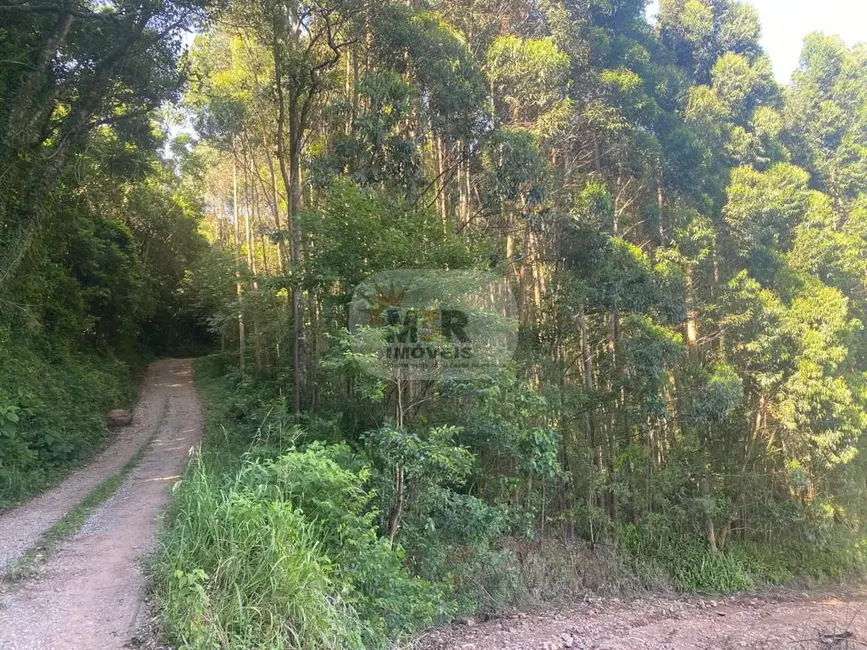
(658,550)
(273,545)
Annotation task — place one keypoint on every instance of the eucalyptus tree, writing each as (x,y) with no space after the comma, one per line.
(826,112)
(684,237)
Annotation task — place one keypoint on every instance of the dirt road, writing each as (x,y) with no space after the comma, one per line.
(89,592)
(777,621)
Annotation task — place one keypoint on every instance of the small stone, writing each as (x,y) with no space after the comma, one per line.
(118,418)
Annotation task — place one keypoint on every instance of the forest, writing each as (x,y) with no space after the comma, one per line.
(684,239)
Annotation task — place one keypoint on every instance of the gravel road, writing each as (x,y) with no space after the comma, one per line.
(88,594)
(772,621)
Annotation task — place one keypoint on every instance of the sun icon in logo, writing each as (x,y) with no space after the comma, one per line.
(383,301)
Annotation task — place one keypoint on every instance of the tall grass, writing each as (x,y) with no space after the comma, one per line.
(242,570)
(273,546)
(684,559)
(658,549)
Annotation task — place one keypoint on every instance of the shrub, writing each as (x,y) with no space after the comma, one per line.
(52,414)
(284,553)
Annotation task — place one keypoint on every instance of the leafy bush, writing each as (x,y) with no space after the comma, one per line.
(284,551)
(451,537)
(334,500)
(52,411)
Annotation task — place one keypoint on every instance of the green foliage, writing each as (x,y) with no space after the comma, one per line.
(763,208)
(322,576)
(429,459)
(52,410)
(430,50)
(530,80)
(359,231)
(514,166)
(246,571)
(684,558)
(377,152)
(337,502)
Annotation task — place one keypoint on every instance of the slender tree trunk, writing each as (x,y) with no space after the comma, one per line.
(288,124)
(442,189)
(399,473)
(523,273)
(250,189)
(710,528)
(660,202)
(241,336)
(691,311)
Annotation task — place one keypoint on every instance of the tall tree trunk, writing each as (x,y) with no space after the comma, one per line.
(250,189)
(691,311)
(710,528)
(523,273)
(288,125)
(442,189)
(275,206)
(660,203)
(241,336)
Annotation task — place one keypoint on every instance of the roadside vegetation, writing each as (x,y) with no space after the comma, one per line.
(685,239)
(52,413)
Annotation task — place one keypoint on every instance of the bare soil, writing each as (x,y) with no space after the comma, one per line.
(89,593)
(779,620)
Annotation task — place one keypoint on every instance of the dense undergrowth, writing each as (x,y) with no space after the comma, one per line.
(276,540)
(273,542)
(52,413)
